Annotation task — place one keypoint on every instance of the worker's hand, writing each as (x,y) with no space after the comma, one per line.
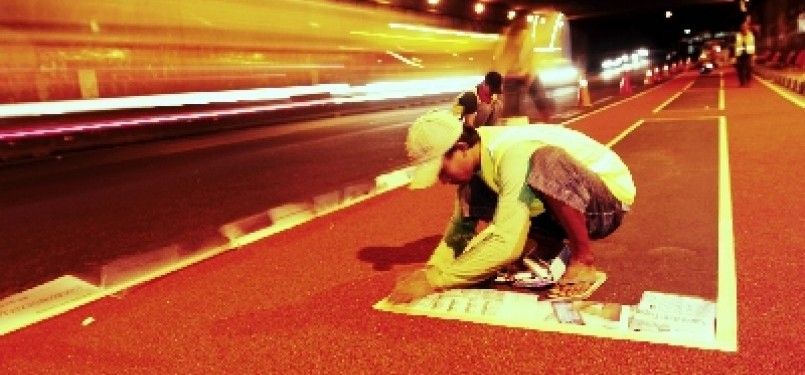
(411,287)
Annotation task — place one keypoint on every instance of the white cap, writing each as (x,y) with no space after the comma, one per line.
(429,138)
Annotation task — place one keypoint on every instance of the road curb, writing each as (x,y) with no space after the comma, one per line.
(62,294)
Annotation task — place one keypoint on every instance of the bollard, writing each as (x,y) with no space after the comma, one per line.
(626,84)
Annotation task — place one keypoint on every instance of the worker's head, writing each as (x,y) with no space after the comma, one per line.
(495,82)
(466,108)
(440,146)
(467,104)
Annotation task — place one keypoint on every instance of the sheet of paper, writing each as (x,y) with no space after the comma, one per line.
(665,312)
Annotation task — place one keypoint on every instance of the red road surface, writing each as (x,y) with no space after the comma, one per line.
(301,301)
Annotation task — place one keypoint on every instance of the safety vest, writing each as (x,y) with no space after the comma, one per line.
(596,157)
(744,43)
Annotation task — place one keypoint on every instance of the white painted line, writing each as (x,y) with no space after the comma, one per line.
(792,97)
(604,99)
(661,106)
(685,111)
(710,117)
(624,133)
(727,299)
(588,114)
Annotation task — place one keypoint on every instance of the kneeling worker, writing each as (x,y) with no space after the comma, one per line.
(541,182)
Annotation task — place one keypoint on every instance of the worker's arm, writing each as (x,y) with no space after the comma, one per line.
(503,241)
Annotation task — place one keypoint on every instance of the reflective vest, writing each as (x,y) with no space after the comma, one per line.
(744,43)
(596,157)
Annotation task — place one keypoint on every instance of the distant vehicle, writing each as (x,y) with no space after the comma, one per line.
(713,55)
(706,67)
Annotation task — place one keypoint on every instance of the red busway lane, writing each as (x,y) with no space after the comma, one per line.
(609,123)
(300,301)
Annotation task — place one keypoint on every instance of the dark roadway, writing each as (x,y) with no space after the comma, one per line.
(74,213)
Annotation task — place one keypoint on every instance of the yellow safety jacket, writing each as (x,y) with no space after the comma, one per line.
(744,43)
(505,164)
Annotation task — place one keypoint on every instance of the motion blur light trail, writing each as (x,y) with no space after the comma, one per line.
(161,100)
(339,94)
(146,47)
(145,54)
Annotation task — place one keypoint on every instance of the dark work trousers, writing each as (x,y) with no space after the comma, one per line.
(744,66)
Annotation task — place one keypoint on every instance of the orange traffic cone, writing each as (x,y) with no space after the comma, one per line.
(626,83)
(584,93)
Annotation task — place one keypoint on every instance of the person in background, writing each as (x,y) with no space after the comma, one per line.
(481,106)
(543,103)
(744,52)
(552,185)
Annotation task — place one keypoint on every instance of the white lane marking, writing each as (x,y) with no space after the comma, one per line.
(727,298)
(792,97)
(626,132)
(659,119)
(665,103)
(588,114)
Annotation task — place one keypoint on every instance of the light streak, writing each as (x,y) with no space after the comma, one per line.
(404,59)
(440,31)
(337,94)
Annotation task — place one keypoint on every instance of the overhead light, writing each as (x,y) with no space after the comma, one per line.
(668,14)
(511,15)
(479,8)
(433,2)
